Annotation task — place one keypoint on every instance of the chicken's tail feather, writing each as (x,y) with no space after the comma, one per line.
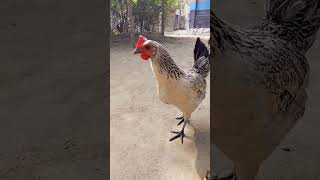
(302,15)
(201,58)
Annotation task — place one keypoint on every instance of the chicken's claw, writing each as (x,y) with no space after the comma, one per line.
(229,177)
(179,134)
(181,121)
(176,132)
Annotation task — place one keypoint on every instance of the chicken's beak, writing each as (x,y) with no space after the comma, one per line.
(137,51)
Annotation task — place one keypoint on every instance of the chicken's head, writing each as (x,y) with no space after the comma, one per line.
(145,48)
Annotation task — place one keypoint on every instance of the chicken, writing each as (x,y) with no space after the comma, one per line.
(259,81)
(183,89)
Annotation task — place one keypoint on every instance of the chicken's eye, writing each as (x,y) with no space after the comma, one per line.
(147,47)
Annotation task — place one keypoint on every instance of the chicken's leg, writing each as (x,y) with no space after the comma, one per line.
(181,133)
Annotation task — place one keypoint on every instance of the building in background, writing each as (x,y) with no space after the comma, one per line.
(193,17)
(199,16)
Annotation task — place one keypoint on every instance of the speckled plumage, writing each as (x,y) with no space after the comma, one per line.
(184,89)
(260,76)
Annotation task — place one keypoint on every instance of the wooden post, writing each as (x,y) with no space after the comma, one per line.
(130,17)
(195,15)
(162,17)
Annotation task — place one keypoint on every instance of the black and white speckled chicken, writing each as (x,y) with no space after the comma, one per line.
(183,89)
(259,81)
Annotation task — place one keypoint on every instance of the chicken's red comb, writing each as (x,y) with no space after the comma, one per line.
(140,42)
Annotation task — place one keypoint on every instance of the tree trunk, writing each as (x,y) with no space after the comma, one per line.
(162,17)
(130,18)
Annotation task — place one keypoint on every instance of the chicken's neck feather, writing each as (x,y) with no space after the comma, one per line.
(222,34)
(163,64)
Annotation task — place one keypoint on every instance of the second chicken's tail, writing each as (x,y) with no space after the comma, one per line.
(201,58)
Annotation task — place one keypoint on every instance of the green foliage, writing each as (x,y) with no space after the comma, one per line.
(146,14)
(172,4)
(134,2)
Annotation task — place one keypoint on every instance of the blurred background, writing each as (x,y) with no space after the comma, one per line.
(167,17)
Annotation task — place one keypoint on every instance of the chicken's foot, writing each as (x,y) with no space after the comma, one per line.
(229,177)
(181,120)
(178,118)
(179,134)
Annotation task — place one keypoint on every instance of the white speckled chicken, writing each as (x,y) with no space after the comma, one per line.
(183,89)
(259,81)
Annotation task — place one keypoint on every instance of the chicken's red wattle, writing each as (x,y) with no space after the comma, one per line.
(144,56)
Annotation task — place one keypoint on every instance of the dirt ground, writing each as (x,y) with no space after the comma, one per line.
(52,84)
(141,123)
(303,163)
